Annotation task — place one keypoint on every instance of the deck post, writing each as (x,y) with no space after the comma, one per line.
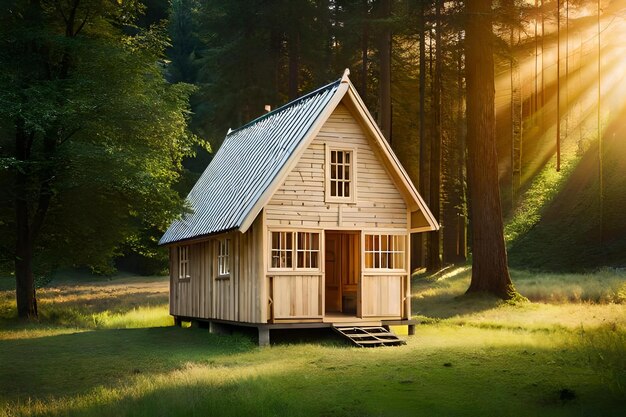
(411,329)
(264,336)
(177,321)
(216,328)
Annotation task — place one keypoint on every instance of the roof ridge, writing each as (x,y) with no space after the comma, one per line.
(285,106)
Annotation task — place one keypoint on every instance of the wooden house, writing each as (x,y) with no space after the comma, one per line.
(302,219)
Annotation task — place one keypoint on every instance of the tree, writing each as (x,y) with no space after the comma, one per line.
(92,135)
(489,258)
(434,258)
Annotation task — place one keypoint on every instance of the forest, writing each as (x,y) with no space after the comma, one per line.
(508,116)
(216,65)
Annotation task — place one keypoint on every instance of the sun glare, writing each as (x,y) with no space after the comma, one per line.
(568,71)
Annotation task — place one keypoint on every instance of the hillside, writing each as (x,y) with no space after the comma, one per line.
(567,236)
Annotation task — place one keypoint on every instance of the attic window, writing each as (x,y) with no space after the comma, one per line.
(340,175)
(183,262)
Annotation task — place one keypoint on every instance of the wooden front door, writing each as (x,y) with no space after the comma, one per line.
(343,271)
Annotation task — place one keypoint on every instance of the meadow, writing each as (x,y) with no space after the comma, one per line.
(107,347)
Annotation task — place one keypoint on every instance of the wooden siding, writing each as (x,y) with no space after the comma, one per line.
(204,295)
(297,296)
(300,200)
(382,295)
(191,297)
(251,274)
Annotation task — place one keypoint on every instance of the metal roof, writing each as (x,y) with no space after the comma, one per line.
(245,166)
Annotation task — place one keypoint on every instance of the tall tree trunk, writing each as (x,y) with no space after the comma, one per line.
(364,50)
(24,278)
(423,157)
(294,63)
(384,53)
(558,85)
(489,261)
(434,258)
(599,129)
(453,205)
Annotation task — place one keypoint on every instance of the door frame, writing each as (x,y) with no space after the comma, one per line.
(357,241)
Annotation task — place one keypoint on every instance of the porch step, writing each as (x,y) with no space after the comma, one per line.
(369,336)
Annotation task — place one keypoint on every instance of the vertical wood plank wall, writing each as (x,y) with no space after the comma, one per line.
(382,295)
(297,296)
(206,296)
(192,297)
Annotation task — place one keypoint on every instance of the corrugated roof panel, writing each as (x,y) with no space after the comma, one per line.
(245,165)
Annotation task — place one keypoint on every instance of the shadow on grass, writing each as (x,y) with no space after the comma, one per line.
(78,362)
(442,295)
(457,381)
(444,306)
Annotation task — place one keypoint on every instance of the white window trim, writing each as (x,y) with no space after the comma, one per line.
(401,235)
(223,258)
(353,175)
(182,253)
(294,251)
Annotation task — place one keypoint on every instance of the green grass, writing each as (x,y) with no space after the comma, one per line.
(473,356)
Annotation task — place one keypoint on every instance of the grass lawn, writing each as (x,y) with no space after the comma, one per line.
(107,347)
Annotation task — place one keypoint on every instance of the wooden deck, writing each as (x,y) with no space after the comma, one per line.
(348,320)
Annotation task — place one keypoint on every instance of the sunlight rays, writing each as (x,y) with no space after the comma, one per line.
(577,81)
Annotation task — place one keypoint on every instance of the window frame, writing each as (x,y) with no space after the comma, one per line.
(294,250)
(223,258)
(182,256)
(352,181)
(390,253)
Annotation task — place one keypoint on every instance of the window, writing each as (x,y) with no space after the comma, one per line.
(384,251)
(305,250)
(340,175)
(223,257)
(183,262)
(282,249)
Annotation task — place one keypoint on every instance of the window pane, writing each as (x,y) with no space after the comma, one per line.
(333,156)
(315,244)
(333,188)
(348,157)
(339,157)
(346,189)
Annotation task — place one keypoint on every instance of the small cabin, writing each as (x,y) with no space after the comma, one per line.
(302,219)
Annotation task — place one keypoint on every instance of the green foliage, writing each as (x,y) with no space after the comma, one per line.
(543,189)
(108,132)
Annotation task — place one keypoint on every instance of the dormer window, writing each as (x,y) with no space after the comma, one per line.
(340,175)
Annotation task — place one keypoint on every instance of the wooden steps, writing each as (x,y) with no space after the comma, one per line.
(369,336)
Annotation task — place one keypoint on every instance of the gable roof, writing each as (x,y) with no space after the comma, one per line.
(254,159)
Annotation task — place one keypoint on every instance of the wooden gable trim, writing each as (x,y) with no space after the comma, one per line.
(347,90)
(396,169)
(295,157)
